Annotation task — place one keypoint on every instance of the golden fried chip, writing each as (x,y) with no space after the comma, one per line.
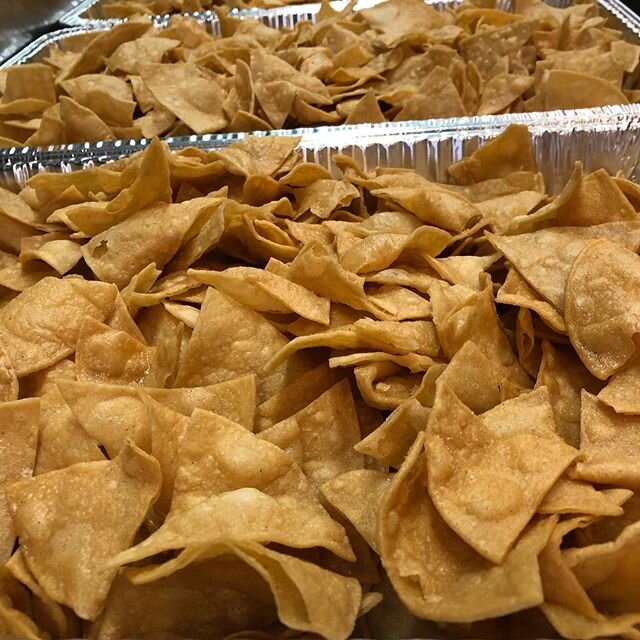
(564,376)
(602,334)
(572,496)
(40,327)
(255,156)
(461,314)
(308,597)
(477,476)
(8,379)
(110,255)
(296,395)
(516,291)
(544,258)
(113,414)
(597,199)
(19,435)
(608,443)
(71,503)
(509,152)
(328,430)
(384,385)
(187,91)
(357,495)
(436,574)
(264,499)
(111,356)
(264,291)
(54,249)
(129,56)
(231,340)
(81,124)
(390,442)
(417,336)
(14,601)
(622,388)
(436,97)
(609,571)
(574,90)
(29,81)
(61,441)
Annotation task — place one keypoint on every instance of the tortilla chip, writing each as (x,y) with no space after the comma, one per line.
(544,258)
(608,444)
(81,124)
(62,441)
(8,379)
(233,598)
(468,465)
(427,563)
(110,255)
(436,97)
(322,197)
(19,433)
(257,156)
(357,495)
(40,327)
(267,499)
(574,90)
(516,291)
(571,496)
(507,153)
(609,571)
(29,81)
(382,388)
(213,354)
(113,414)
(295,396)
(475,319)
(264,291)
(107,355)
(328,429)
(130,56)
(71,502)
(390,442)
(564,376)
(188,92)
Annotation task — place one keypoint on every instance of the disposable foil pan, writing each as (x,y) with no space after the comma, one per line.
(619,17)
(83,11)
(610,141)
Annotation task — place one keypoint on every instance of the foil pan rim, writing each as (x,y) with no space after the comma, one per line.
(610,118)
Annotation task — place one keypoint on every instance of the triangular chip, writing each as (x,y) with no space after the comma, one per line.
(93,508)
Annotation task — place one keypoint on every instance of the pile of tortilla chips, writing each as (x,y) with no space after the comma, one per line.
(243,396)
(399,60)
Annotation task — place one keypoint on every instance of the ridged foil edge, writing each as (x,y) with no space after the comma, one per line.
(608,139)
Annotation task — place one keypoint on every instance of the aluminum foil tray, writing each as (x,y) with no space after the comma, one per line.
(84,11)
(611,141)
(620,17)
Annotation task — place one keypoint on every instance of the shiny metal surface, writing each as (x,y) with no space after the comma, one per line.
(22,20)
(610,139)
